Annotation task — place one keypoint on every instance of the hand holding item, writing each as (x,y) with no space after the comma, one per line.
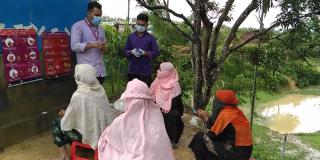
(203,115)
(164,111)
(93,45)
(61,113)
(142,52)
(136,53)
(103,47)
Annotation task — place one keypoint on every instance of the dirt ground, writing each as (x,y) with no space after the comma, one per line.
(41,147)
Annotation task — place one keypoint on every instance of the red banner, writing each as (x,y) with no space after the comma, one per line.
(20,55)
(57,54)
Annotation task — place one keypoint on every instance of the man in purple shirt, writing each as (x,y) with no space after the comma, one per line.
(88,40)
(141,48)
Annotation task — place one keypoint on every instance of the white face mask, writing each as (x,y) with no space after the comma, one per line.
(140,28)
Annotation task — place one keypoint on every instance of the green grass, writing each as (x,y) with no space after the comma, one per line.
(312,139)
(312,90)
(264,97)
(268,147)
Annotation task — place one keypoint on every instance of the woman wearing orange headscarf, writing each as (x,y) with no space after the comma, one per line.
(229,136)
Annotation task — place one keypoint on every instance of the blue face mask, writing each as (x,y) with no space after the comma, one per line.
(140,28)
(96,20)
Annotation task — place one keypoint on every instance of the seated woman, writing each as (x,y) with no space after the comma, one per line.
(87,115)
(229,137)
(139,132)
(166,91)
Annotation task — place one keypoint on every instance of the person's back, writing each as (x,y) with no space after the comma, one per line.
(87,114)
(139,133)
(230,135)
(232,129)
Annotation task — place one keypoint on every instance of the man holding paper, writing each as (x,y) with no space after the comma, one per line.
(88,40)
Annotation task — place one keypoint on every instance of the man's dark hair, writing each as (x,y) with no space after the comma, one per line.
(94,4)
(143,17)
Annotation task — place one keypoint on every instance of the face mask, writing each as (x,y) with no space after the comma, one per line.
(96,20)
(140,28)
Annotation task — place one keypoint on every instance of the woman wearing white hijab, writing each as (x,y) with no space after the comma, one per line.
(138,133)
(87,115)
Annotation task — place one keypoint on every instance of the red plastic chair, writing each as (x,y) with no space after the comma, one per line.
(76,144)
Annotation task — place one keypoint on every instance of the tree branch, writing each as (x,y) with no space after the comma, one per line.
(167,5)
(235,48)
(225,51)
(190,4)
(311,29)
(203,14)
(144,4)
(185,34)
(209,76)
(216,31)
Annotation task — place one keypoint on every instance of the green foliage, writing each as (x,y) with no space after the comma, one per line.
(166,55)
(273,83)
(167,34)
(295,12)
(238,72)
(184,68)
(115,62)
(303,73)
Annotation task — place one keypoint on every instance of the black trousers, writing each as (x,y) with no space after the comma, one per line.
(174,125)
(199,149)
(201,152)
(145,79)
(101,80)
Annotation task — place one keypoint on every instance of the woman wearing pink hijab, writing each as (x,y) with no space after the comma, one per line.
(138,133)
(166,91)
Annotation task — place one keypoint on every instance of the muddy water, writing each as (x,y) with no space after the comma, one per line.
(293,114)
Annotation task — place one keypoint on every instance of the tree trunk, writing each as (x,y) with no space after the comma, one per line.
(198,80)
(253,100)
(254,88)
(197,51)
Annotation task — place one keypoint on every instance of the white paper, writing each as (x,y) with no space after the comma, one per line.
(119,105)
(194,121)
(54,30)
(18,26)
(41,30)
(67,31)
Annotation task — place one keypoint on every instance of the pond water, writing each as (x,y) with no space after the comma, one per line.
(293,114)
